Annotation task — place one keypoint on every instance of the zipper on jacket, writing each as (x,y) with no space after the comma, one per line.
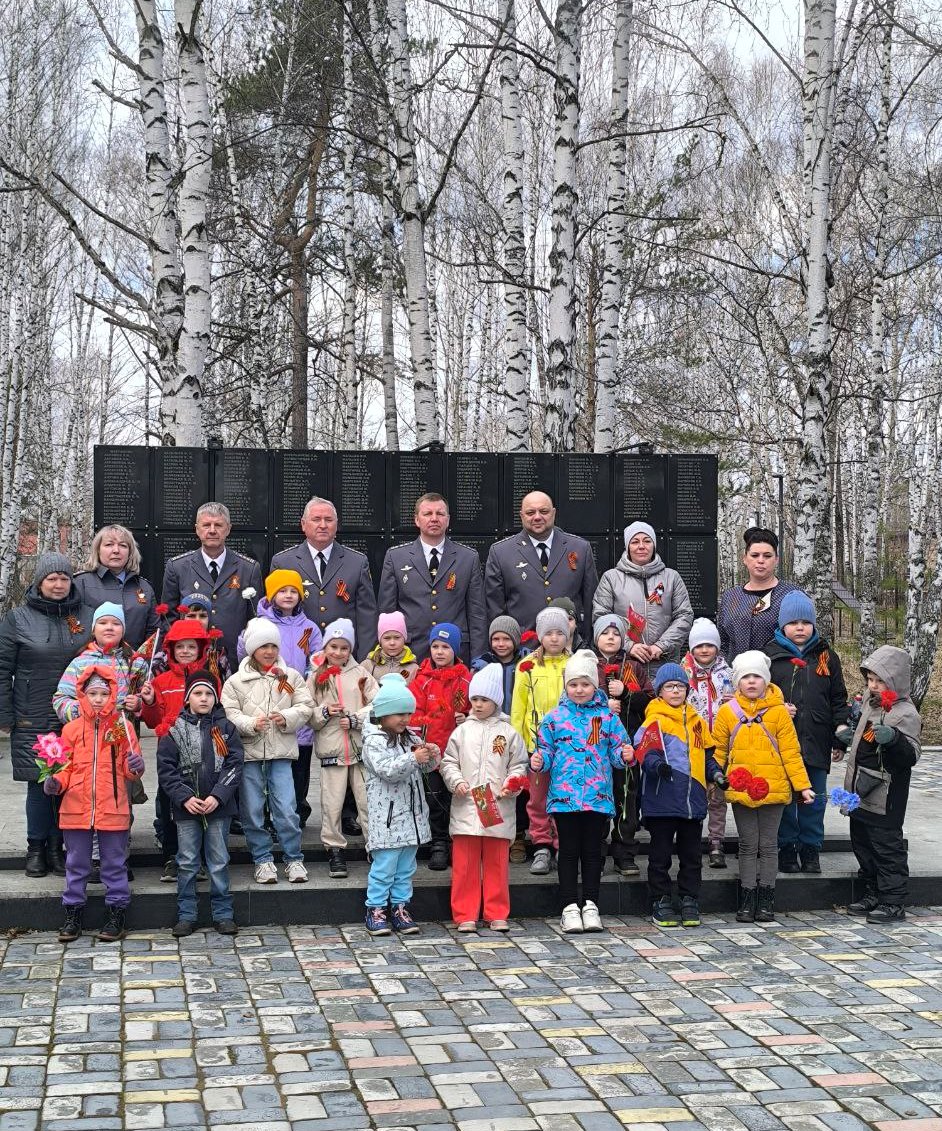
(389,815)
(91,824)
(690,764)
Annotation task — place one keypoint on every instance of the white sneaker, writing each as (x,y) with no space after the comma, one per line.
(266,873)
(296,872)
(591,920)
(571,921)
(542,862)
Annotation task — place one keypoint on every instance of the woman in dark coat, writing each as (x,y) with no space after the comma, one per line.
(113,573)
(37,641)
(748,615)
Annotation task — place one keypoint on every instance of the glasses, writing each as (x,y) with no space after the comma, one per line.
(674,685)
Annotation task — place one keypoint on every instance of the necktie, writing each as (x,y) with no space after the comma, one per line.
(433,562)
(321,567)
(214,572)
(544,555)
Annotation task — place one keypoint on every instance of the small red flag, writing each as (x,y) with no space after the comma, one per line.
(652,740)
(636,625)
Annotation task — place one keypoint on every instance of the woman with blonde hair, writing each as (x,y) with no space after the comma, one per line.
(113,573)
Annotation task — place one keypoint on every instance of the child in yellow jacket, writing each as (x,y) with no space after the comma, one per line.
(758,748)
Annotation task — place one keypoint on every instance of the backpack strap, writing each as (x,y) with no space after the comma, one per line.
(744,720)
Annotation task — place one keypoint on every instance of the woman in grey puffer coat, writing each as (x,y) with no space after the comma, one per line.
(643,582)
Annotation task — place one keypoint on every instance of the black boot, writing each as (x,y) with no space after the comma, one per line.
(438,857)
(788,859)
(113,928)
(746,912)
(887,913)
(36,859)
(55,857)
(810,860)
(863,906)
(765,905)
(336,864)
(72,927)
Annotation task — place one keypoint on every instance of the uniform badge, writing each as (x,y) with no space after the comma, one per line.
(451,582)
(343,592)
(196,585)
(573,560)
(141,597)
(523,576)
(234,583)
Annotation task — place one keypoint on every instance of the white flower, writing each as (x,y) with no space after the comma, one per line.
(249,593)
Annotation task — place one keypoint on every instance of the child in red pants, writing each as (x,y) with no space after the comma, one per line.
(484,751)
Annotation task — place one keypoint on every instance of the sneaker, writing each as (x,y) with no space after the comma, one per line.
(500,925)
(591,919)
(887,913)
(226,926)
(664,914)
(627,867)
(689,912)
(183,928)
(469,927)
(518,851)
(376,921)
(570,922)
(542,862)
(402,920)
(863,906)
(336,864)
(296,872)
(717,856)
(266,873)
(169,874)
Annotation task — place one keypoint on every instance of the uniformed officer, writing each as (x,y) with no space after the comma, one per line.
(338,578)
(434,580)
(219,572)
(524,573)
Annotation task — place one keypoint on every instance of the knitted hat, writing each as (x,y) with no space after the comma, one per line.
(259,632)
(449,634)
(489,682)
(703,631)
(109,609)
(96,680)
(582,665)
(640,528)
(508,626)
(340,629)
(51,563)
(197,601)
(547,619)
(670,673)
(391,622)
(565,603)
(283,579)
(796,606)
(201,678)
(751,663)
(610,620)
(393,697)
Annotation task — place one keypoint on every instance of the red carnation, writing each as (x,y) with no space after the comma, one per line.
(182,609)
(740,779)
(324,675)
(528,637)
(758,789)
(799,663)
(612,669)
(215,634)
(887,699)
(516,782)
(526,666)
(162,610)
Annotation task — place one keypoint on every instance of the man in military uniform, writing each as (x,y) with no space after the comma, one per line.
(222,574)
(434,580)
(338,578)
(525,572)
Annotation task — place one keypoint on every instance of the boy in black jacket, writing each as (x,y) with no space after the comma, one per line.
(199,766)
(808,672)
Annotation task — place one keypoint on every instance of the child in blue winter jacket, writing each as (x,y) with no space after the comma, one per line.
(579,743)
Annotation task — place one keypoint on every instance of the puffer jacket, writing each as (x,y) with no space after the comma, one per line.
(481,753)
(709,686)
(654,591)
(378,665)
(353,689)
(135,595)
(581,745)
(440,694)
(538,686)
(816,689)
(170,685)
(37,641)
(750,746)
(122,661)
(193,761)
(94,782)
(250,693)
(688,746)
(881,774)
(397,812)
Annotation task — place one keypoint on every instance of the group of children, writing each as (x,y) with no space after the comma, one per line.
(577,747)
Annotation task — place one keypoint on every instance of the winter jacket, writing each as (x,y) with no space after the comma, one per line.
(251,693)
(509,668)
(135,595)
(709,686)
(741,629)
(881,774)
(121,660)
(482,753)
(688,750)
(378,664)
(654,591)
(817,690)
(215,661)
(353,689)
(170,685)
(37,641)
(202,755)
(94,781)
(630,673)
(440,694)
(581,744)
(748,744)
(538,686)
(395,793)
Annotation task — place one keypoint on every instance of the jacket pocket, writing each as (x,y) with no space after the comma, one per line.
(872,787)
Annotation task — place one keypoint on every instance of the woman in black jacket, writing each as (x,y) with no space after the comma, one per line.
(113,573)
(37,641)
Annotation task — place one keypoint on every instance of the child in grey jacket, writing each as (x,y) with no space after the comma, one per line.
(398,820)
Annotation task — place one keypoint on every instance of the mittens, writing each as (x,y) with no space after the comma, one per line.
(52,787)
(843,737)
(884,735)
(721,781)
(136,763)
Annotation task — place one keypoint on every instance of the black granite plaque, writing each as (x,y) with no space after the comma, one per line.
(240,480)
(374,546)
(602,549)
(525,472)
(411,475)
(694,556)
(122,486)
(359,491)
(692,487)
(298,475)
(474,492)
(641,490)
(584,493)
(480,543)
(253,544)
(166,545)
(181,484)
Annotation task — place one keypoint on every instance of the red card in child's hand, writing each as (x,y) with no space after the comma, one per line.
(636,625)
(486,804)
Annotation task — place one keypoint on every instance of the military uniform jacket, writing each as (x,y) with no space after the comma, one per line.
(515,583)
(455,596)
(187,573)
(347,590)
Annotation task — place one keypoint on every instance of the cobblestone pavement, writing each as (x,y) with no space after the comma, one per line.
(818,1024)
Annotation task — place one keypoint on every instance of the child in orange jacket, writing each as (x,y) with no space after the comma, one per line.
(104,756)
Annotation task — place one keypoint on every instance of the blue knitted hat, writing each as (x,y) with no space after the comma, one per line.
(796,606)
(109,609)
(449,633)
(393,697)
(670,673)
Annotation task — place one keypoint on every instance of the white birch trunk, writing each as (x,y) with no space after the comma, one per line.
(347,393)
(924,593)
(387,306)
